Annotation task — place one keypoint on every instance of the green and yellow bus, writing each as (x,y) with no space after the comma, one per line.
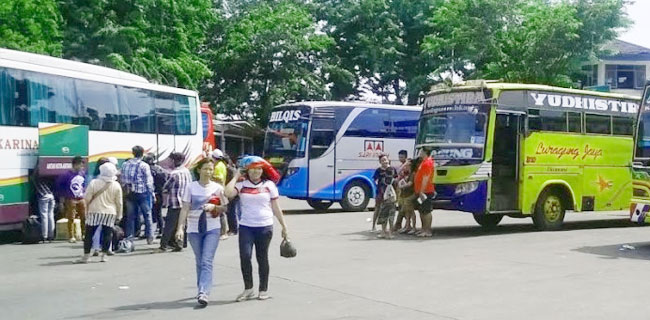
(641,172)
(528,150)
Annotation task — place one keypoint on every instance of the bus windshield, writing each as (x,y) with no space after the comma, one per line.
(454,134)
(643,135)
(287,140)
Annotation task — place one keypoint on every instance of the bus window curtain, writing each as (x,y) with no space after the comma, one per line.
(51,99)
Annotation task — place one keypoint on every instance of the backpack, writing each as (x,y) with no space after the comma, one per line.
(125,246)
(32,230)
(390,195)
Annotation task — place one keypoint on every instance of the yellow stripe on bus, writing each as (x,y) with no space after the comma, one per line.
(13,181)
(56,128)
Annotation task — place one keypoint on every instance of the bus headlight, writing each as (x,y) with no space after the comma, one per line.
(292,170)
(465,188)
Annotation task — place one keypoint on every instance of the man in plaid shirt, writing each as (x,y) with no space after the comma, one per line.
(137,182)
(178,180)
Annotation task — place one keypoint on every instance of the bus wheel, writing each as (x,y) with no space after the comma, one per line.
(488,221)
(319,205)
(355,196)
(549,211)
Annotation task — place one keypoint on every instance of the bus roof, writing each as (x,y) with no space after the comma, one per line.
(79,70)
(492,84)
(320,104)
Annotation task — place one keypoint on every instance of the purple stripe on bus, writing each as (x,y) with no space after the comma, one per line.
(13,213)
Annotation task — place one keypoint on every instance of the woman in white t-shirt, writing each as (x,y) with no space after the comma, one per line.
(203,202)
(258,200)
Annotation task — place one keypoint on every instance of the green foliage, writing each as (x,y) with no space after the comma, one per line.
(266,55)
(158,39)
(31,25)
(379,42)
(530,41)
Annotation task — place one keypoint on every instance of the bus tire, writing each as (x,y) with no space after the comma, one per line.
(549,210)
(319,205)
(355,196)
(488,221)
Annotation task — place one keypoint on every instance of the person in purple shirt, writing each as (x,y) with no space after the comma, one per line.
(71,188)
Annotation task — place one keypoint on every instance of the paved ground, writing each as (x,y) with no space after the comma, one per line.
(343,272)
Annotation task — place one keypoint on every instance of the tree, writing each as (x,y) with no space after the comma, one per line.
(31,25)
(266,55)
(161,40)
(530,41)
(379,42)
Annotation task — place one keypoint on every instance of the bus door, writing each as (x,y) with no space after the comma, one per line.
(505,162)
(322,154)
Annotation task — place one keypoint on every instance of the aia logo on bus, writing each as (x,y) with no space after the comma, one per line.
(372,148)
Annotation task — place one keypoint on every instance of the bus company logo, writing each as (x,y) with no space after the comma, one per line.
(286,116)
(604,184)
(18,144)
(570,152)
(65,150)
(58,166)
(587,103)
(372,148)
(2,197)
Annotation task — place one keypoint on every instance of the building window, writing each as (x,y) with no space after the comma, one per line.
(625,76)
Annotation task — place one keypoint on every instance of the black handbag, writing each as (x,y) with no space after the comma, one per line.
(287,249)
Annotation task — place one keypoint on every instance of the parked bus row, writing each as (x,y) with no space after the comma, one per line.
(500,149)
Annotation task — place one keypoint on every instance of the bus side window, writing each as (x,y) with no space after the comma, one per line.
(373,123)
(600,124)
(623,126)
(534,121)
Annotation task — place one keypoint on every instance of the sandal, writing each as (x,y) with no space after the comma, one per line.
(380,236)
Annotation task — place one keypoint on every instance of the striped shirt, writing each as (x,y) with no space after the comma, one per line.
(104,219)
(43,190)
(136,175)
(178,180)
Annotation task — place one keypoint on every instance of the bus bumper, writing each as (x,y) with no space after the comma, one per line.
(294,185)
(448,199)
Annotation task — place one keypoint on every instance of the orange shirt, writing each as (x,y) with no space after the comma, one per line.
(425,169)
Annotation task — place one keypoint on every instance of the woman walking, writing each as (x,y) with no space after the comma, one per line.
(203,203)
(258,199)
(104,204)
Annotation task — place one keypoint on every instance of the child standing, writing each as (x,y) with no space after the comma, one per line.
(387,208)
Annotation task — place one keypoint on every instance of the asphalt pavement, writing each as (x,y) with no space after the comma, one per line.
(593,269)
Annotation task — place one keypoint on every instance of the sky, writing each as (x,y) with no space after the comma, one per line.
(639,32)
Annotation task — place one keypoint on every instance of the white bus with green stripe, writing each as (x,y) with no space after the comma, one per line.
(120,109)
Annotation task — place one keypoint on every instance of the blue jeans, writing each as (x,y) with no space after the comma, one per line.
(204,246)
(46,210)
(136,204)
(260,237)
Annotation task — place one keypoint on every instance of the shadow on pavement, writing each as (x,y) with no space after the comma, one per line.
(187,303)
(313,211)
(638,250)
(453,232)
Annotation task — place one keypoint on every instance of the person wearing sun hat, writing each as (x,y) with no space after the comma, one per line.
(258,198)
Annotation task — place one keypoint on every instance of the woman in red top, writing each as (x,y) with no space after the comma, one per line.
(424,189)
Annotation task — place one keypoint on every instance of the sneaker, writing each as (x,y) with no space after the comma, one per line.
(202,299)
(95,253)
(84,259)
(72,240)
(110,253)
(103,258)
(247,294)
(223,237)
(150,240)
(263,295)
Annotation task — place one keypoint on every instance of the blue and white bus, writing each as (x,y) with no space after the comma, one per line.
(328,151)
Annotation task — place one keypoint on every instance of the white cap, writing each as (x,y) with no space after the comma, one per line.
(217,154)
(112,160)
